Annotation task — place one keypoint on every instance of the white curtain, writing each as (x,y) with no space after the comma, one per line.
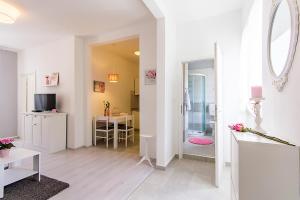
(251,53)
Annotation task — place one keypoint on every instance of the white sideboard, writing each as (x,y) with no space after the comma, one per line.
(45,131)
(263,169)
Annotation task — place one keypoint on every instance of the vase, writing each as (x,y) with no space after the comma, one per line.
(4,153)
(106,112)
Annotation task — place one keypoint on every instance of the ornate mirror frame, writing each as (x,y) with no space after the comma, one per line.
(280,80)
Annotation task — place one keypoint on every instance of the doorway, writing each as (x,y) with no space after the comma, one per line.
(115,96)
(199,105)
(202,111)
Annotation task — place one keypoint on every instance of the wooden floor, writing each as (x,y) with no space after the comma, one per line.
(184,180)
(96,173)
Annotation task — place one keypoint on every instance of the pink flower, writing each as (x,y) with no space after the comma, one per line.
(238,127)
(151,74)
(6,140)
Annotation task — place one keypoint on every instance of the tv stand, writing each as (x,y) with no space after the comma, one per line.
(44,131)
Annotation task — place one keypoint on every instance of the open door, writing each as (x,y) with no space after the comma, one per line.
(219,162)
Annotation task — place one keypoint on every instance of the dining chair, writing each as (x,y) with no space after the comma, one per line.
(126,130)
(103,129)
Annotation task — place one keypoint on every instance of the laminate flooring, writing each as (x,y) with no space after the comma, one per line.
(95,173)
(184,180)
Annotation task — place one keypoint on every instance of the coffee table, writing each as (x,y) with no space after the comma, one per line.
(13,174)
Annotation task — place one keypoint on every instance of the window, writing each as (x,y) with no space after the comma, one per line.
(251,52)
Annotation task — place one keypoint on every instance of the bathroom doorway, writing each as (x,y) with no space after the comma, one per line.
(202,111)
(199,108)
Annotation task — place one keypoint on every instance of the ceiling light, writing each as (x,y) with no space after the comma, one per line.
(137,53)
(113,78)
(8,13)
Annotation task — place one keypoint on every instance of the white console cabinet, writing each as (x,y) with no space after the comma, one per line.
(263,169)
(45,131)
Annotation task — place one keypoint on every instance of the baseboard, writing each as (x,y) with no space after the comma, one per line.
(200,158)
(168,164)
(160,167)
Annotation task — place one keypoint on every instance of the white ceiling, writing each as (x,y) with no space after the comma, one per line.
(189,10)
(44,20)
(125,49)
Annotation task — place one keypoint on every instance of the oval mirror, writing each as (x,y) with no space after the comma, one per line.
(283,35)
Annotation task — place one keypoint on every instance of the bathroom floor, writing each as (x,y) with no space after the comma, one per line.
(199,150)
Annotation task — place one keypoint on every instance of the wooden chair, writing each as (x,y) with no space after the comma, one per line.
(103,129)
(127,130)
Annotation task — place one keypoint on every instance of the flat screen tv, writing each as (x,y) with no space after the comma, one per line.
(44,102)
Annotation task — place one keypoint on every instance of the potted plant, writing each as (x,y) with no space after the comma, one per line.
(5,145)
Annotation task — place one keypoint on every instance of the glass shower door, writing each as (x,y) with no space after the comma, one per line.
(196,114)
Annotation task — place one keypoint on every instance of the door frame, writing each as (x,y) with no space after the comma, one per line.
(219,126)
(89,83)
(184,64)
(182,106)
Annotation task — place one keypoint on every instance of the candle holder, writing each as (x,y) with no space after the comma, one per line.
(256,103)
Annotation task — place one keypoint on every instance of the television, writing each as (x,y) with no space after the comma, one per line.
(44,102)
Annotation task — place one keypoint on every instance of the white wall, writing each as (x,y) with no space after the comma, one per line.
(168,82)
(146,32)
(8,91)
(172,83)
(195,40)
(281,110)
(118,94)
(58,56)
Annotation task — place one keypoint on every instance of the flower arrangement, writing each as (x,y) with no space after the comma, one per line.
(151,74)
(238,127)
(106,108)
(242,128)
(6,143)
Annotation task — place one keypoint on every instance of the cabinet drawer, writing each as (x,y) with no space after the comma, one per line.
(28,129)
(36,120)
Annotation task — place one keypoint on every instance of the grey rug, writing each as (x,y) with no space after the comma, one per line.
(29,189)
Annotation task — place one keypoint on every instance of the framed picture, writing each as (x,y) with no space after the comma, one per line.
(150,77)
(99,86)
(51,79)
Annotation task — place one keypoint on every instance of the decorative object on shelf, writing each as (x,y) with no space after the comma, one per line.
(51,80)
(113,78)
(282,40)
(256,107)
(150,77)
(255,101)
(106,108)
(256,92)
(99,86)
(5,145)
(242,128)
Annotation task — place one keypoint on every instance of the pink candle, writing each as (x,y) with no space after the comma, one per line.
(256,92)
